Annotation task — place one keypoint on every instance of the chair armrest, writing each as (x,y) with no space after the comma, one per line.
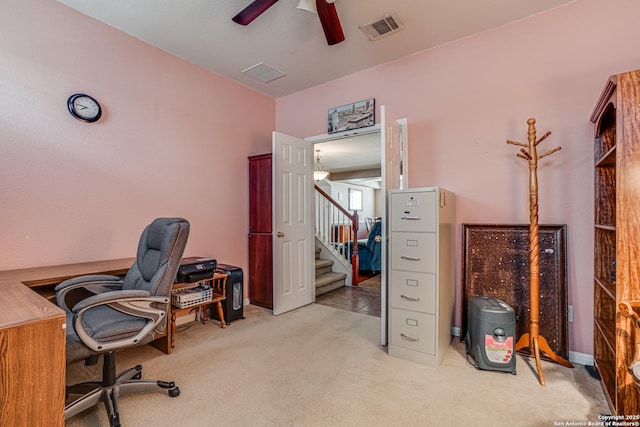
(95,284)
(137,303)
(110,297)
(87,280)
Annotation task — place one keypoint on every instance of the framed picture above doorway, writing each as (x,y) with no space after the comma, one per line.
(352,116)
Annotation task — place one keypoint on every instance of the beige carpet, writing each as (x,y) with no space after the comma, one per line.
(321,366)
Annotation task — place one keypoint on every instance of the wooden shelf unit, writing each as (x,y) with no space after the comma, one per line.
(218,292)
(617,236)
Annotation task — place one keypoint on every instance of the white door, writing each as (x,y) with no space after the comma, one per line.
(293,216)
(390,165)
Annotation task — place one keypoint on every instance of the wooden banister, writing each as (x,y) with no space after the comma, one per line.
(354,227)
(334,203)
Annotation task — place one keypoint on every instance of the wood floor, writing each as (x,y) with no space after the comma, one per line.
(364,298)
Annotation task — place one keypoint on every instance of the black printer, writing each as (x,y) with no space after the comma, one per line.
(194,269)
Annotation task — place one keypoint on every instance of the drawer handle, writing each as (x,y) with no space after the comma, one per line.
(411,218)
(411,258)
(409,337)
(410,298)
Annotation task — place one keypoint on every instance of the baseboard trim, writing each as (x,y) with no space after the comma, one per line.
(581,358)
(574,356)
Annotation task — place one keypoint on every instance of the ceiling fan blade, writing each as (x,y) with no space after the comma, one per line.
(330,22)
(252,11)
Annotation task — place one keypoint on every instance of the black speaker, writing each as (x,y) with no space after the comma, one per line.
(232,306)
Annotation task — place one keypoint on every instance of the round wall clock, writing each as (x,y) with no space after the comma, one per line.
(84,107)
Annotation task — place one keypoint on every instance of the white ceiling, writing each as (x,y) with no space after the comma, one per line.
(292,41)
(361,152)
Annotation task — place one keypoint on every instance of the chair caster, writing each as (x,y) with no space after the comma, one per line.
(174,392)
(115,421)
(166,384)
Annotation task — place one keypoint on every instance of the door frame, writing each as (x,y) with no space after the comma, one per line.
(404,156)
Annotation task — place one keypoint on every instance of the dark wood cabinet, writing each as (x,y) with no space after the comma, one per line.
(260,220)
(260,226)
(261,269)
(616,237)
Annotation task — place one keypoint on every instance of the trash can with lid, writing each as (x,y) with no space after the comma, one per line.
(232,306)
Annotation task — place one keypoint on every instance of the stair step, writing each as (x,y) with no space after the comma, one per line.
(323,266)
(317,253)
(328,282)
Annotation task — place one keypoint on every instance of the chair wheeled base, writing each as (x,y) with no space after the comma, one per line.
(111,387)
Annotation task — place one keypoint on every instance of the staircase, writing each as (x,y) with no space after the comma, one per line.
(326,279)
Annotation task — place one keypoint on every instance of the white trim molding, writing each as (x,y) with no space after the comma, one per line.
(581,358)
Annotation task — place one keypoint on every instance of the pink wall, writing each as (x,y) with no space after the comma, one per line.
(173,141)
(72,192)
(465,99)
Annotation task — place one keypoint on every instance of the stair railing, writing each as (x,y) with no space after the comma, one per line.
(338,230)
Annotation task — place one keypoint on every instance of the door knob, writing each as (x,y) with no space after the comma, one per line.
(280,234)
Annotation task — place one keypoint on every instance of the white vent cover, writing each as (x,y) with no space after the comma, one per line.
(382,27)
(263,72)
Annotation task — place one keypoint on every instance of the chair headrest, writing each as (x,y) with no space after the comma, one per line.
(160,250)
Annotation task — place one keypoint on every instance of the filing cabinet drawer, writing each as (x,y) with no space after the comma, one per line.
(413,331)
(414,252)
(413,291)
(414,211)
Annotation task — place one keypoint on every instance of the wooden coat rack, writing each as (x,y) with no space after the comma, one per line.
(533,340)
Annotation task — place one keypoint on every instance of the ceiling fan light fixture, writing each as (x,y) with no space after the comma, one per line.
(308,5)
(251,12)
(330,22)
(319,171)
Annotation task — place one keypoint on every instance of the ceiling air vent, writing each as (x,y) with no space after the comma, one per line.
(263,72)
(382,27)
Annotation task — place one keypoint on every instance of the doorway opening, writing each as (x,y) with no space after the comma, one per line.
(388,171)
(364,298)
(354,165)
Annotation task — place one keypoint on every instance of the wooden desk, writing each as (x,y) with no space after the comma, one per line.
(43,280)
(33,341)
(32,358)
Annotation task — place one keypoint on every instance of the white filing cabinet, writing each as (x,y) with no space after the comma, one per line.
(422,272)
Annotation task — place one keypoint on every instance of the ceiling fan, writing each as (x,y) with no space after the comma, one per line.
(325,8)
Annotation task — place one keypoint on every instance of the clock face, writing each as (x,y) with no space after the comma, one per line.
(84,107)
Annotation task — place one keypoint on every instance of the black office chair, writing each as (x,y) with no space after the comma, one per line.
(106,314)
